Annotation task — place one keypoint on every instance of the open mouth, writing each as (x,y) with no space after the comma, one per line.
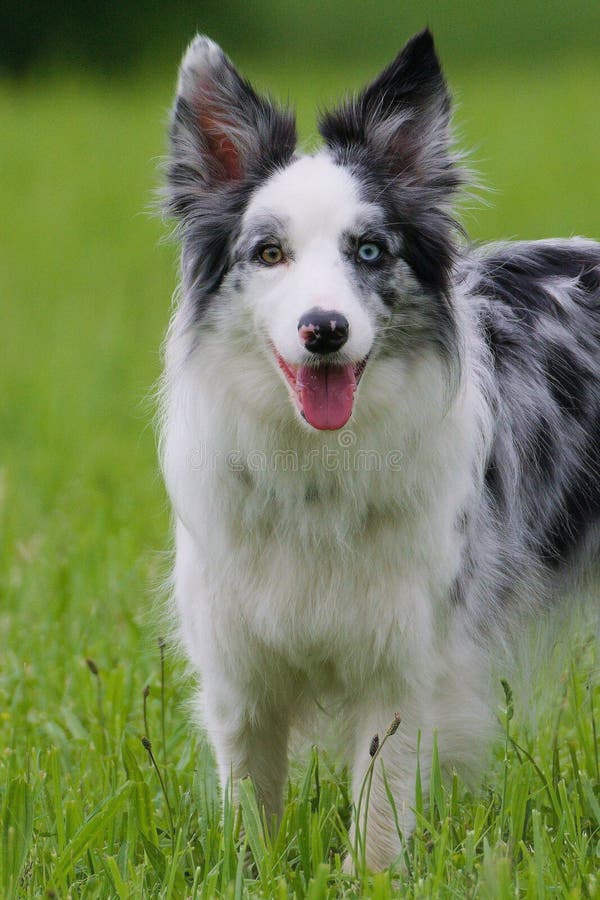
(324,393)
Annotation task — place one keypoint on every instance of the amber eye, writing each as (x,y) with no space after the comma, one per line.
(271,255)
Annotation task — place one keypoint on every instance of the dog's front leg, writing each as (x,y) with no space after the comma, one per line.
(250,737)
(455,710)
(384,779)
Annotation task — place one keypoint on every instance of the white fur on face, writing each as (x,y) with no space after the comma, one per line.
(316,202)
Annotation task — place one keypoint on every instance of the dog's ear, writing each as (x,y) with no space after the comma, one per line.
(222,131)
(402,118)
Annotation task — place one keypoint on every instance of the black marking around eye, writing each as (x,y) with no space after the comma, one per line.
(385,239)
(263,232)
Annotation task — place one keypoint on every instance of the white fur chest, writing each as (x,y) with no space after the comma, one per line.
(327,552)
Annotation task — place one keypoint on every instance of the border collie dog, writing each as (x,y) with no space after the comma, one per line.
(382,444)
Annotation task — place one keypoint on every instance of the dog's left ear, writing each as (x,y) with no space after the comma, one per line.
(402,118)
(223,132)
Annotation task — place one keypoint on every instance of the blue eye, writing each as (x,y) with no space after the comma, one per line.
(369,252)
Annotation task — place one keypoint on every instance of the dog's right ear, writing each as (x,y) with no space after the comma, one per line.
(222,131)
(402,118)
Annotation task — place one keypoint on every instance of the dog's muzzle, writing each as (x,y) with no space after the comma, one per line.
(323,388)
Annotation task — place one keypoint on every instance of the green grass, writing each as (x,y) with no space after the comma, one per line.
(85,286)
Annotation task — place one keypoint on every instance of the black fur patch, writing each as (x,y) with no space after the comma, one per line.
(540,318)
(567,378)
(581,506)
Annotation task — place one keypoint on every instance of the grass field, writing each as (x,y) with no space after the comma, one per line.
(84,289)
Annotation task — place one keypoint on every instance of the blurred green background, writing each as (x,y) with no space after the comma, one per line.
(118,36)
(86,282)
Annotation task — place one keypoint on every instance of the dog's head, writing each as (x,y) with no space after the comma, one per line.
(326,263)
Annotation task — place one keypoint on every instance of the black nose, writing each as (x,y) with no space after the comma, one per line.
(322,330)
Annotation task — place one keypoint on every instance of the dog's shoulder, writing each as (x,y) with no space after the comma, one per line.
(538,306)
(548,286)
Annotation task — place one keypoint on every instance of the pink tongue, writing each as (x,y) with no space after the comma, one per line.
(326,395)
